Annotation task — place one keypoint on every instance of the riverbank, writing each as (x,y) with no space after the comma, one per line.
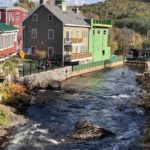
(104,99)
(46,79)
(62,74)
(14,119)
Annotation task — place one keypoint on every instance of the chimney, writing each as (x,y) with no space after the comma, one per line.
(41,2)
(61,4)
(76,10)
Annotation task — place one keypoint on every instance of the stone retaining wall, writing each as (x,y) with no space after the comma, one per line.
(45,79)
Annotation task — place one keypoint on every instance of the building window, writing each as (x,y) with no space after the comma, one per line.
(93,32)
(33,50)
(77,34)
(50,17)
(67,36)
(34,33)
(7,40)
(98,31)
(77,49)
(84,34)
(86,48)
(50,51)
(67,51)
(35,17)
(87,34)
(104,31)
(17,16)
(103,52)
(50,33)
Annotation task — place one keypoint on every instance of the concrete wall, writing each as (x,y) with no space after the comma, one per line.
(97,68)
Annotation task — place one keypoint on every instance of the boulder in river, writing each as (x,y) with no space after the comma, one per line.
(85,130)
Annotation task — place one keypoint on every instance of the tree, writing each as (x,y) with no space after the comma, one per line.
(137,41)
(9,69)
(112,42)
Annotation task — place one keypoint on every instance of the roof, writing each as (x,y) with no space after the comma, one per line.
(15,7)
(68,17)
(4,27)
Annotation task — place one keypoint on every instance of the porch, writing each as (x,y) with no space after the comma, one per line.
(78,57)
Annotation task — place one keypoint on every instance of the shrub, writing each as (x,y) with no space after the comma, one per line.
(4,116)
(14,93)
(41,54)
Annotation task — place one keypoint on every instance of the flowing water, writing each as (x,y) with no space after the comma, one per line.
(106,99)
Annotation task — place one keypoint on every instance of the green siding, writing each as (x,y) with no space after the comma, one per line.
(98,39)
(98,44)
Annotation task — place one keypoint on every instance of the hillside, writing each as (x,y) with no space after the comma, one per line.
(134,14)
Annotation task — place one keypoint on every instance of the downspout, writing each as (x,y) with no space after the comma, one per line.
(63,45)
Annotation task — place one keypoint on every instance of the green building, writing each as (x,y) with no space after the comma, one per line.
(98,39)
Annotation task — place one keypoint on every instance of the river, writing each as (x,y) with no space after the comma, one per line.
(106,99)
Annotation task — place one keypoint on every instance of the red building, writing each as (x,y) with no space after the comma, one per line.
(14,16)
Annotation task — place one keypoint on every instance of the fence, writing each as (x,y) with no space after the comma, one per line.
(29,67)
(87,66)
(97,64)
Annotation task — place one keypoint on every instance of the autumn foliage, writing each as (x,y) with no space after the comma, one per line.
(15,93)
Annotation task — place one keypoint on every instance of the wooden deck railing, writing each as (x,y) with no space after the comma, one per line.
(76,56)
(73,40)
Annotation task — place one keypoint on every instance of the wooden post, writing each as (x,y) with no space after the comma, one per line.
(38,65)
(30,67)
(23,71)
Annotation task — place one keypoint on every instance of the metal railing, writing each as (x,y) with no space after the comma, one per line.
(29,67)
(104,22)
(96,64)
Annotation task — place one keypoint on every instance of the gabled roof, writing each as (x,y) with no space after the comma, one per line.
(5,28)
(68,17)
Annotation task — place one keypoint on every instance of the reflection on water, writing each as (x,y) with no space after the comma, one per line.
(106,99)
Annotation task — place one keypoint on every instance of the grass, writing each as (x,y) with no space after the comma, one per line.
(4,116)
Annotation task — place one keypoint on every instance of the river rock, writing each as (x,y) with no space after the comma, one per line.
(85,130)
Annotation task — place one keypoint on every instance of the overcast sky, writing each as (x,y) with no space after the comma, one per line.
(76,2)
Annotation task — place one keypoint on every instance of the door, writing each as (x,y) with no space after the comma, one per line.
(33,50)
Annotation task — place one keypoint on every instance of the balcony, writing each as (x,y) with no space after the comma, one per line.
(70,41)
(78,57)
(100,23)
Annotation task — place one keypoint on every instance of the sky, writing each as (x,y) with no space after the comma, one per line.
(72,2)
